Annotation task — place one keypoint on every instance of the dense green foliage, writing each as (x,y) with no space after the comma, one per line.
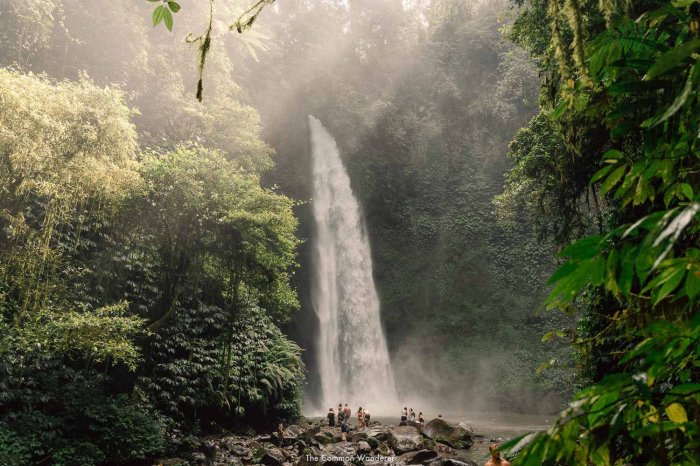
(619,122)
(140,289)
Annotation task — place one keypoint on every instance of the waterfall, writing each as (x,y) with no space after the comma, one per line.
(352,355)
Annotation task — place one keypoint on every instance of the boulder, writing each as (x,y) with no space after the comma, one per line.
(337,454)
(273,456)
(241,451)
(418,457)
(363,447)
(293,432)
(373,442)
(403,439)
(413,424)
(209,448)
(358,436)
(384,449)
(443,450)
(444,432)
(326,435)
(378,432)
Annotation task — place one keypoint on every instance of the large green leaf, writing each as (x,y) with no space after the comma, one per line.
(672,58)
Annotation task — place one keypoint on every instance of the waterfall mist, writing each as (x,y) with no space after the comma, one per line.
(351,350)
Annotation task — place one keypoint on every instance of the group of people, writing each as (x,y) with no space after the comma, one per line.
(410,415)
(342,417)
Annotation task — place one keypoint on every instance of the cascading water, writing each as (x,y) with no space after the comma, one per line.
(352,354)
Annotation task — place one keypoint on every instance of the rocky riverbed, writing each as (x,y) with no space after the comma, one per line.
(314,443)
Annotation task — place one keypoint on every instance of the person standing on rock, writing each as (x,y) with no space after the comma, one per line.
(421,421)
(360,417)
(404,414)
(348,412)
(366,417)
(331,418)
(412,415)
(341,415)
(344,429)
(496,459)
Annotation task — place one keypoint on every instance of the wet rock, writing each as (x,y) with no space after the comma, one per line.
(200,458)
(418,457)
(403,439)
(443,450)
(443,432)
(466,427)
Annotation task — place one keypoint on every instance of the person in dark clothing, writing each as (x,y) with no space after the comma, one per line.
(404,414)
(331,418)
(344,429)
(366,414)
(421,421)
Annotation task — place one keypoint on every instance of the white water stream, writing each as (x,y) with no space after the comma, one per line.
(351,349)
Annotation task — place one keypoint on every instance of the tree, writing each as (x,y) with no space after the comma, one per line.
(632,74)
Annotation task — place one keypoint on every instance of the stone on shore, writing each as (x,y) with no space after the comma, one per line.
(442,431)
(403,439)
(418,457)
(273,456)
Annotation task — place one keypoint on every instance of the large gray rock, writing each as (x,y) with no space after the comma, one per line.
(444,432)
(403,439)
(327,435)
(293,432)
(378,432)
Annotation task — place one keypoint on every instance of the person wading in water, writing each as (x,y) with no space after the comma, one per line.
(496,457)
(331,418)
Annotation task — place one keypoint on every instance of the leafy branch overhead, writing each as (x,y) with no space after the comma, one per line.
(164,13)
